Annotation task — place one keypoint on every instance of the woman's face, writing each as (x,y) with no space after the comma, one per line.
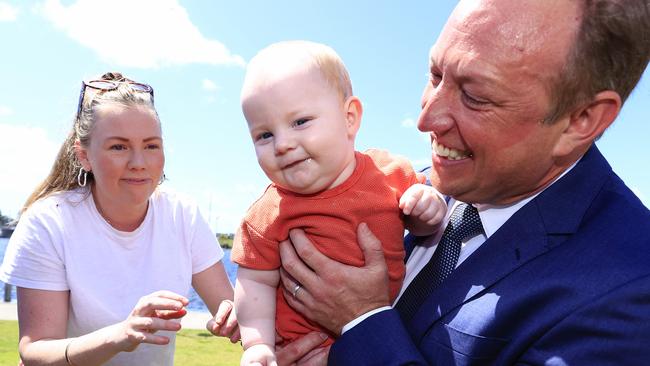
(125,155)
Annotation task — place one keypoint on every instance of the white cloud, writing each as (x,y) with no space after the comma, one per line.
(148,33)
(5,111)
(408,122)
(209,85)
(8,13)
(28,155)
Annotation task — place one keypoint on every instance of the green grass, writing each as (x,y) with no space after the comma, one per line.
(8,342)
(193,347)
(198,347)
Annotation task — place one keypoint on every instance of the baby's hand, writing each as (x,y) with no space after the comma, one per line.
(423,203)
(259,355)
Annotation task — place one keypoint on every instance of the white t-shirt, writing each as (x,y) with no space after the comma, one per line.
(62,243)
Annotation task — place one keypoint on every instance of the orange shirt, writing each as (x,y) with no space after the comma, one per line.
(330,219)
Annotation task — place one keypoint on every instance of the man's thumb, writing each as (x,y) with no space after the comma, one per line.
(370,245)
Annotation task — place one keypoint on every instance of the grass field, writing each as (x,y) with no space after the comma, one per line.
(193,347)
(8,342)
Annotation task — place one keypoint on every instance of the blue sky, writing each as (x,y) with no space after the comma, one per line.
(194,53)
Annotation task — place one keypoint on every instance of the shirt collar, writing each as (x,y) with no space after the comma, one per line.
(494,216)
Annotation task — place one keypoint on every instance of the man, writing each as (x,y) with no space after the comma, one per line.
(558,270)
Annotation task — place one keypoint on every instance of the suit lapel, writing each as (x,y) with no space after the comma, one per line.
(501,254)
(536,228)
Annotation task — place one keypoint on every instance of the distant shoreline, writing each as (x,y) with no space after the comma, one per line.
(225,240)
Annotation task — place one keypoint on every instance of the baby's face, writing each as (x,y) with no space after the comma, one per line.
(299,127)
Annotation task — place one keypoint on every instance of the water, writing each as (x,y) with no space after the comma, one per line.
(196,303)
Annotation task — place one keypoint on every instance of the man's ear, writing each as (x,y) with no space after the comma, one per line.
(587,123)
(353,111)
(82,156)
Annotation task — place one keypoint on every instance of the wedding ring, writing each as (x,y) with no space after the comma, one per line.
(295,290)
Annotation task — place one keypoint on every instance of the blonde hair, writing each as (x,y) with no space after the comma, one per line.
(323,58)
(64,172)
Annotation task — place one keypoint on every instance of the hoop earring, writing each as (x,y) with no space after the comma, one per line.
(163,178)
(83,173)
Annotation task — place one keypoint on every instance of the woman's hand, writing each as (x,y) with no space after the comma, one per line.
(224,322)
(152,313)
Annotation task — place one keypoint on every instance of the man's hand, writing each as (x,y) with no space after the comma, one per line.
(304,351)
(331,293)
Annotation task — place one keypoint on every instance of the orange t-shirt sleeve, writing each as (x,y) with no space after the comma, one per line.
(398,170)
(252,250)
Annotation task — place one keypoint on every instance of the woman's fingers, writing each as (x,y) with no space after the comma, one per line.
(223,312)
(154,324)
(171,296)
(231,328)
(171,314)
(160,302)
(235,336)
(139,330)
(224,322)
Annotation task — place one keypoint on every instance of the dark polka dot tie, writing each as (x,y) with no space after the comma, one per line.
(464,223)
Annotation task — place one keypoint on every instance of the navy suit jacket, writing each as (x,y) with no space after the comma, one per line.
(565,281)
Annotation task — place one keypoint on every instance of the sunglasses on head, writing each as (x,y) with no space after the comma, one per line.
(108,85)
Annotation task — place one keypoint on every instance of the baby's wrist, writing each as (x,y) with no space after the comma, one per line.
(256,342)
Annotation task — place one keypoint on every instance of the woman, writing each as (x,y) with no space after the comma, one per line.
(101,253)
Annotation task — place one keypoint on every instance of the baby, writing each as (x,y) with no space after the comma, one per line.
(303,119)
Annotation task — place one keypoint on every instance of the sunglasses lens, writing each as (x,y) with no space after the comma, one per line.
(141,87)
(101,84)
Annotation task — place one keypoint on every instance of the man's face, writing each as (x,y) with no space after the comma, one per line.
(488,94)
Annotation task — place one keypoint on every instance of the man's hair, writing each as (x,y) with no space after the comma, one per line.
(324,58)
(610,52)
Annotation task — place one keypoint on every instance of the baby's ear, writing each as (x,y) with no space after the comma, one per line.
(353,112)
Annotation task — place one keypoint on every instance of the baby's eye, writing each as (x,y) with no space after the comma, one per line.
(264,136)
(301,121)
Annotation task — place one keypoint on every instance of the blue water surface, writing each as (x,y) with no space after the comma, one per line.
(196,304)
